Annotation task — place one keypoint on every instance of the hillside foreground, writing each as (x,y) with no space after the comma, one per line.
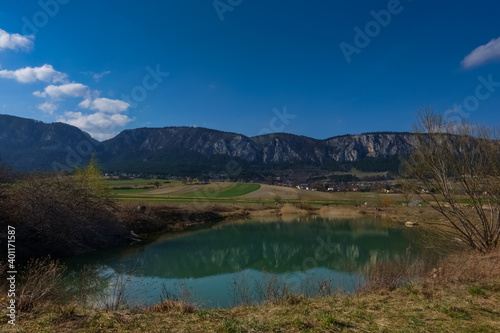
(461,294)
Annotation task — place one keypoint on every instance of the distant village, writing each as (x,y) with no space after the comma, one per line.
(337,185)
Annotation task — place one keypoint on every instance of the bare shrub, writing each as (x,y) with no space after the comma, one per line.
(392,274)
(469,268)
(85,285)
(178,300)
(291,209)
(455,161)
(305,206)
(113,297)
(240,289)
(40,282)
(273,289)
(173,306)
(64,214)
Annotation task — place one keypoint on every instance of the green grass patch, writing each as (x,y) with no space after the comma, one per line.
(456,312)
(130,191)
(223,190)
(476,291)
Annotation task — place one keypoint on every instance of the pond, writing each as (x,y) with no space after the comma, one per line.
(250,261)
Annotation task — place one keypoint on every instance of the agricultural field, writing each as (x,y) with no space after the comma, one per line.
(155,190)
(141,190)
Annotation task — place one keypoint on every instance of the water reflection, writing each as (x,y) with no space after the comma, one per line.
(210,260)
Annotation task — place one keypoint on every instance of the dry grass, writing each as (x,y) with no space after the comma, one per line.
(462,294)
(468,268)
(292,210)
(40,282)
(172,306)
(265,212)
(333,212)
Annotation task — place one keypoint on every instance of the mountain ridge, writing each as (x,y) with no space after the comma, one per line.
(30,145)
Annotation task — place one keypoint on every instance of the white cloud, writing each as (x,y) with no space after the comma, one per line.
(45,73)
(47,107)
(105,105)
(100,126)
(69,89)
(15,41)
(85,104)
(98,76)
(483,54)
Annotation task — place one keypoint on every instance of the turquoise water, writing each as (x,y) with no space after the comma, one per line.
(252,260)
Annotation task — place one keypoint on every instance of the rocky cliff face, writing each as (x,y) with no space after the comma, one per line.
(27,144)
(350,148)
(354,147)
(191,139)
(270,148)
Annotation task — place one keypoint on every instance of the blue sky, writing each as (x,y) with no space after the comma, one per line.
(250,67)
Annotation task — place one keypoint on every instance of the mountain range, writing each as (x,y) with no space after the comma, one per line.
(29,145)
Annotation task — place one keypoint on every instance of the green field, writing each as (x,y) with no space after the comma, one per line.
(129,191)
(176,191)
(221,190)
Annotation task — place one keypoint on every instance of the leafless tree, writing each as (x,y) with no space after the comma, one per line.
(407,187)
(459,166)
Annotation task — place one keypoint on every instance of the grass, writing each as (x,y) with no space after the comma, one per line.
(445,310)
(175,191)
(129,191)
(224,192)
(463,297)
